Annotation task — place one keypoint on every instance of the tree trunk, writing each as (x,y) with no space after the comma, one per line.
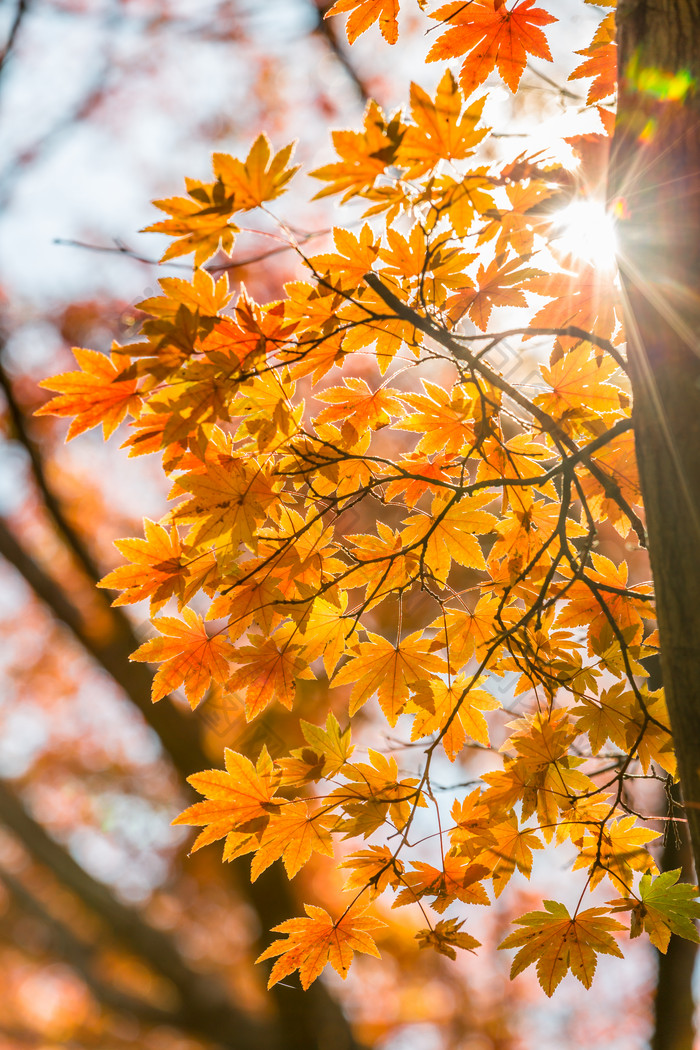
(655,182)
(673,1002)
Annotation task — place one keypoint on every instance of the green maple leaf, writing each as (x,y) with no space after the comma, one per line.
(665,906)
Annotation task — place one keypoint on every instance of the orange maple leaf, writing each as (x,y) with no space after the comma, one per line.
(500,284)
(268,673)
(292,833)
(188,655)
(493,35)
(259,178)
(359,406)
(389,670)
(100,393)
(316,940)
(364,13)
(156,569)
(602,61)
(234,797)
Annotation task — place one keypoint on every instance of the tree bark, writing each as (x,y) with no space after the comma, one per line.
(655,189)
(673,1003)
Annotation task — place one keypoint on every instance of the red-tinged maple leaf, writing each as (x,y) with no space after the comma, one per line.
(556,942)
(491,35)
(316,940)
(421,475)
(364,13)
(268,673)
(236,796)
(292,833)
(587,299)
(601,61)
(102,392)
(260,178)
(189,657)
(391,671)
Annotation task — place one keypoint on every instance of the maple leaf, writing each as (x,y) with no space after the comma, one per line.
(494,35)
(375,867)
(585,299)
(364,13)
(373,790)
(228,502)
(445,936)
(199,224)
(292,833)
(616,850)
(359,406)
(458,880)
(440,129)
(556,942)
(189,657)
(582,386)
(354,258)
(601,62)
(363,155)
(156,570)
(237,796)
(388,670)
(511,848)
(267,672)
(444,419)
(101,392)
(453,710)
(447,535)
(330,743)
(260,178)
(496,288)
(316,940)
(664,906)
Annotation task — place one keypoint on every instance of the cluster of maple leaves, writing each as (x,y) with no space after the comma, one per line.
(367,394)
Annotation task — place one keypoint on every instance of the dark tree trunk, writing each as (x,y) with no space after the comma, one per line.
(673,1002)
(655,178)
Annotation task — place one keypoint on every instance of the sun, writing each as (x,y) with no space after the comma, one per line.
(585,230)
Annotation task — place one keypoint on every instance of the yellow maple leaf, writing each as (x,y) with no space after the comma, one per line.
(292,833)
(388,670)
(236,796)
(556,942)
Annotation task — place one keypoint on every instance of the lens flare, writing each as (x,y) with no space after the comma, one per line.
(585,230)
